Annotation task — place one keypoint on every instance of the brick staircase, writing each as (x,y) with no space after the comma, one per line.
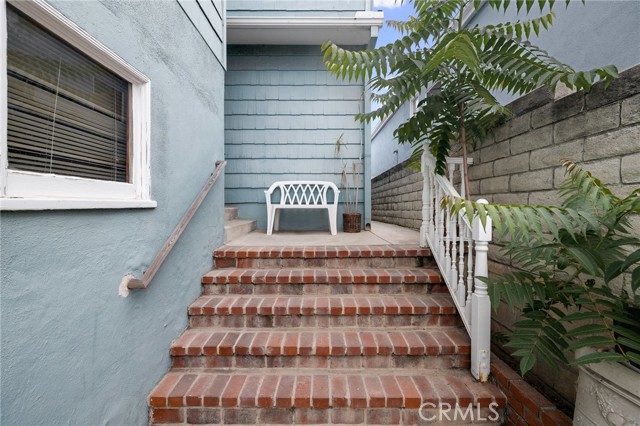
(321,335)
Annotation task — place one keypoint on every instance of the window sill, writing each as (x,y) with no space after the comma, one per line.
(18,204)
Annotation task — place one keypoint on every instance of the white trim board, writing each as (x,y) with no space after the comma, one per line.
(346,30)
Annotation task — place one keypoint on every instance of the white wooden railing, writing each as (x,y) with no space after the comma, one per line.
(453,241)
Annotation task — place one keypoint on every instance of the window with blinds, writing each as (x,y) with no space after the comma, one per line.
(67,114)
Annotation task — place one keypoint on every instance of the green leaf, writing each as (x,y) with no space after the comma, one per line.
(635,279)
(526,363)
(613,270)
(586,260)
(580,316)
(598,357)
(593,341)
(587,329)
(634,344)
(634,357)
(630,260)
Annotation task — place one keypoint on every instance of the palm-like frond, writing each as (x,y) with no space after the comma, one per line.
(469,62)
(570,256)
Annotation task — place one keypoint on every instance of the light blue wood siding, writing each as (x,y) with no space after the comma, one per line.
(296,7)
(283,115)
(208,16)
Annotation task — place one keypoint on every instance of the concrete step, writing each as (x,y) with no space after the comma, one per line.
(382,256)
(324,311)
(230,213)
(290,396)
(237,227)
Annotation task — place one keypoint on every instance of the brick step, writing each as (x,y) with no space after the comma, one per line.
(288,396)
(375,348)
(286,281)
(394,310)
(378,256)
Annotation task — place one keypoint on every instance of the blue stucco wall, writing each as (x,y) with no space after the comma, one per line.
(296,7)
(283,115)
(72,351)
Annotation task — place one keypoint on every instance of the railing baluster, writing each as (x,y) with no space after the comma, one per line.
(454,254)
(469,274)
(440,223)
(426,200)
(461,287)
(447,241)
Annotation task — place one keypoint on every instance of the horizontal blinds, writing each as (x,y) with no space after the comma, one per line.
(66,114)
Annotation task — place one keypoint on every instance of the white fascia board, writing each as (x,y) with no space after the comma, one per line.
(361,19)
(354,30)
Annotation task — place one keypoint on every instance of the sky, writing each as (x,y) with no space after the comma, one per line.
(396,11)
(393,10)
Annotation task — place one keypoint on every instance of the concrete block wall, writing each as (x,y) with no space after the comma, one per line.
(396,196)
(520,163)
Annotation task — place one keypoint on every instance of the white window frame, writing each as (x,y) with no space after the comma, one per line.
(21,190)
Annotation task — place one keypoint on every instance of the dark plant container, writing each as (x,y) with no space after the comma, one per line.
(351,222)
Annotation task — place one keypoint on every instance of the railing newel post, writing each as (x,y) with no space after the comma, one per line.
(480,302)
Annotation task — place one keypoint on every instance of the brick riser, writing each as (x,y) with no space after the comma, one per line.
(323,257)
(316,335)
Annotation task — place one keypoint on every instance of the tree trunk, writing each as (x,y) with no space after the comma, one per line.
(463,141)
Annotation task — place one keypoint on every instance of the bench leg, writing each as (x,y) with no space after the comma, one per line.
(333,212)
(269,221)
(276,224)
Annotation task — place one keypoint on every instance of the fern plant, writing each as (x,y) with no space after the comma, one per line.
(463,65)
(569,258)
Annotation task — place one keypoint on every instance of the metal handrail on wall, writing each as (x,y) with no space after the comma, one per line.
(131,282)
(460,250)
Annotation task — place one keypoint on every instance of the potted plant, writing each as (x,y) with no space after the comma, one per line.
(350,179)
(577,289)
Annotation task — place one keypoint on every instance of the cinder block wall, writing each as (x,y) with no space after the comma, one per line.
(520,163)
(396,196)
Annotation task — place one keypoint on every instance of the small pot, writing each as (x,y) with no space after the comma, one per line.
(351,222)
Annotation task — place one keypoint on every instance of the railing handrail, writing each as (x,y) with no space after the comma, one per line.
(460,251)
(158,260)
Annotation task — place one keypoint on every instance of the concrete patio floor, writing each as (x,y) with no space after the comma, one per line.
(380,234)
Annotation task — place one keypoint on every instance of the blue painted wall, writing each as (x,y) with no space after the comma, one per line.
(584,36)
(296,7)
(72,351)
(383,143)
(283,115)
(208,16)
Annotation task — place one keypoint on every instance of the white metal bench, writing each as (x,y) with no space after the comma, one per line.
(304,194)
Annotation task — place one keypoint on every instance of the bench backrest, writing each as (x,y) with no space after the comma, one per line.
(303,193)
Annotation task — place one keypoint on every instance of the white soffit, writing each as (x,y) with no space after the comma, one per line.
(312,30)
